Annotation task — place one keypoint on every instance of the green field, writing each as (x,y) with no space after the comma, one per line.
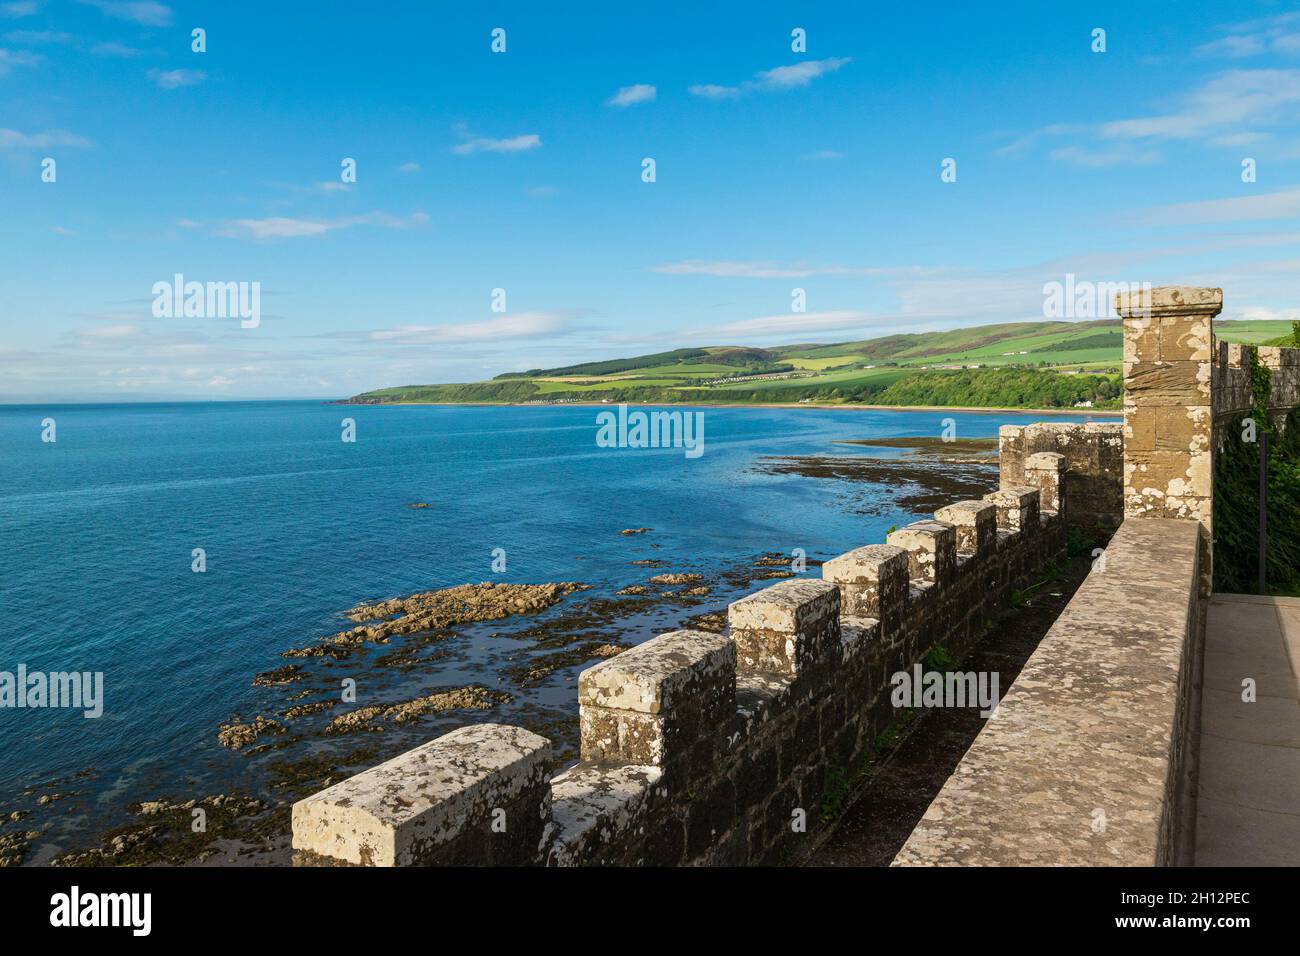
(1019,364)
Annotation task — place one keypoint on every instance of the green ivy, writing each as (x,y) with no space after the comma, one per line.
(1236,499)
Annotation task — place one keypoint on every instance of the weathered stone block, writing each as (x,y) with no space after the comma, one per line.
(1018,508)
(976,523)
(931,550)
(435,805)
(873,583)
(660,703)
(790,628)
(1046,472)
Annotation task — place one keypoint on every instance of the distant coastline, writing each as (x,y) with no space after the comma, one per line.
(1105,412)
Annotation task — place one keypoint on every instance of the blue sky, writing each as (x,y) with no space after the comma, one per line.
(521,170)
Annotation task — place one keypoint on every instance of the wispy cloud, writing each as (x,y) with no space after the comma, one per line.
(283,227)
(789,323)
(629,95)
(19,9)
(523,325)
(731,269)
(778,78)
(113,48)
(1229,109)
(409,168)
(145,12)
(483,144)
(823,154)
(13,139)
(1279,205)
(39,37)
(13,58)
(1226,102)
(1122,155)
(1280,34)
(174,79)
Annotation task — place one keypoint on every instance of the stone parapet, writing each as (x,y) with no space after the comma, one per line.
(699,747)
(478,795)
(1094,465)
(1084,760)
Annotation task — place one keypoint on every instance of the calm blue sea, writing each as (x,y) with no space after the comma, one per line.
(97,531)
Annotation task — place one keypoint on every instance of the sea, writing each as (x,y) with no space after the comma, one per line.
(102,529)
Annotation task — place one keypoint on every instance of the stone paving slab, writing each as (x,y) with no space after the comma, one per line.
(1248,802)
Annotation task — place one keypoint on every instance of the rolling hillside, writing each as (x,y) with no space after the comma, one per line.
(1019,364)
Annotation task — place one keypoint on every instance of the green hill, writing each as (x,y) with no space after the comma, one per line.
(1019,364)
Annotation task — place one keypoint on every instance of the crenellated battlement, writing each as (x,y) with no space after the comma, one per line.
(710,748)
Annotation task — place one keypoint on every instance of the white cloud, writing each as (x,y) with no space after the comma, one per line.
(800,74)
(409,168)
(778,78)
(333,186)
(522,325)
(13,139)
(283,227)
(628,95)
(145,12)
(822,154)
(174,79)
(515,144)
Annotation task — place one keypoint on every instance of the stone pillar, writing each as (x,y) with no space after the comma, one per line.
(478,795)
(873,582)
(932,550)
(1046,472)
(1168,419)
(662,703)
(790,629)
(1018,509)
(976,523)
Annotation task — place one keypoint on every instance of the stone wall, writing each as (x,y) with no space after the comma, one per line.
(1094,460)
(1085,761)
(1231,382)
(707,748)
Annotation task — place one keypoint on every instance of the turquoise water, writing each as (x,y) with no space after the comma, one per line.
(97,531)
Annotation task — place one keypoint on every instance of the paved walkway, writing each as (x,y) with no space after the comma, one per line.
(1248,803)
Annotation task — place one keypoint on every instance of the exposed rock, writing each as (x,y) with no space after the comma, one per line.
(306,710)
(236,735)
(431,610)
(419,504)
(635,530)
(676,578)
(634,589)
(701,591)
(280,676)
(13,847)
(461,698)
